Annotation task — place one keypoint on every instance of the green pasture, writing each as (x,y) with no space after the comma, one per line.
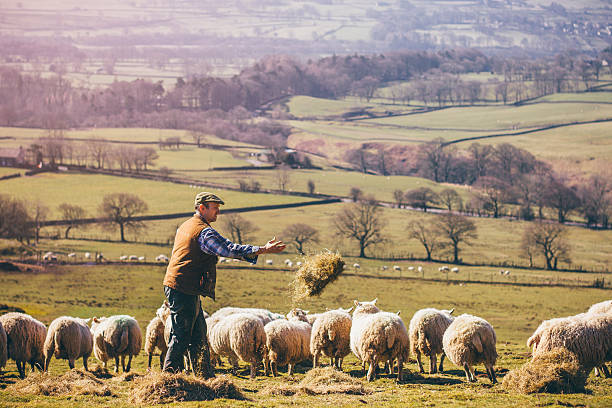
(87,191)
(309,107)
(590,97)
(7,171)
(514,312)
(498,241)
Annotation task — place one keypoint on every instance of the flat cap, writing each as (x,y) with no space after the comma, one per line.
(206,197)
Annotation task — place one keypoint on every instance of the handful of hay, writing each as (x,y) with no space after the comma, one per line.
(556,371)
(164,388)
(315,273)
(74,382)
(320,381)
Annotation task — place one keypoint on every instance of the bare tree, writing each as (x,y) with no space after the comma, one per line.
(356,194)
(363,222)
(40,212)
(239,228)
(457,230)
(72,214)
(559,196)
(311,187)
(450,199)
(596,200)
(121,210)
(283,177)
(548,239)
(426,235)
(422,197)
(398,196)
(99,150)
(299,235)
(494,193)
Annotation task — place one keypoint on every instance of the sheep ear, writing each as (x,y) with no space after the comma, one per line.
(451,311)
(88,321)
(350,309)
(398,312)
(306,311)
(356,303)
(95,319)
(374,301)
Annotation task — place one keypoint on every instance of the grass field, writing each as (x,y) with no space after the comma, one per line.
(136,290)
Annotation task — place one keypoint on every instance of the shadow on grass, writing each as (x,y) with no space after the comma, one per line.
(7,378)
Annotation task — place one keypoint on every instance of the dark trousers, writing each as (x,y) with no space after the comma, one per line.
(187,334)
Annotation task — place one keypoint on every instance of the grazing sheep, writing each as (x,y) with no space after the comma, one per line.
(588,336)
(25,337)
(123,258)
(87,255)
(411,268)
(331,336)
(384,267)
(534,340)
(142,258)
(269,262)
(420,269)
(72,255)
(100,257)
(298,263)
(161,258)
(396,268)
(426,330)
(378,336)
(133,258)
(239,336)
(288,342)
(455,270)
(356,266)
(601,307)
(471,340)
(3,351)
(68,338)
(114,337)
(443,268)
(265,315)
(154,335)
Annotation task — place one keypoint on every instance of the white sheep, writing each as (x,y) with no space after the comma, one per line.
(87,255)
(356,266)
(588,336)
(378,336)
(72,255)
(411,268)
(3,347)
(133,258)
(443,268)
(534,340)
(420,269)
(298,263)
(114,337)
(264,315)
(100,257)
(123,258)
(161,258)
(142,258)
(601,307)
(68,338)
(331,336)
(471,340)
(397,268)
(455,270)
(426,330)
(239,336)
(25,337)
(154,335)
(287,342)
(269,262)
(384,267)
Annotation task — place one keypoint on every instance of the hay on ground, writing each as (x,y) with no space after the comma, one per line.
(163,388)
(316,272)
(74,382)
(556,372)
(319,381)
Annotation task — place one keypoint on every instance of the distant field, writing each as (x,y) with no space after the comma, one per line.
(6,171)
(306,106)
(86,190)
(514,312)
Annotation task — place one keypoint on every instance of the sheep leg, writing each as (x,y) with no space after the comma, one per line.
(234,362)
(71,363)
(433,363)
(123,363)
(150,359)
(129,364)
(116,370)
(602,370)
(491,372)
(441,369)
(400,368)
(85,363)
(162,357)
(468,373)
(418,357)
(21,368)
(339,361)
(315,360)
(290,369)
(253,369)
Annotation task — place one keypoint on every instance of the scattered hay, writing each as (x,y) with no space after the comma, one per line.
(74,382)
(126,377)
(100,372)
(319,381)
(163,388)
(556,372)
(316,272)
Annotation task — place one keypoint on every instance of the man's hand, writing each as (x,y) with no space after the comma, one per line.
(273,246)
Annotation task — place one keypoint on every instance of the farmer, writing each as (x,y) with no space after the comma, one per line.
(192,272)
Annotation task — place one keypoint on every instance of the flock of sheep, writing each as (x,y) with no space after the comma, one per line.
(258,336)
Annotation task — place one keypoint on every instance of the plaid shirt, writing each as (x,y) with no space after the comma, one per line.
(212,243)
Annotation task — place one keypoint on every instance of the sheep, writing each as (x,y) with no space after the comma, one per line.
(378,336)
(420,269)
(356,266)
(269,262)
(264,315)
(68,338)
(142,258)
(455,270)
(72,255)
(443,268)
(397,268)
(384,267)
(601,307)
(154,335)
(411,268)
(298,263)
(114,337)
(25,337)
(534,340)
(87,255)
(133,258)
(123,258)
(161,258)
(469,340)
(239,336)
(331,336)
(100,257)
(287,342)
(287,261)
(588,336)
(426,330)
(3,351)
